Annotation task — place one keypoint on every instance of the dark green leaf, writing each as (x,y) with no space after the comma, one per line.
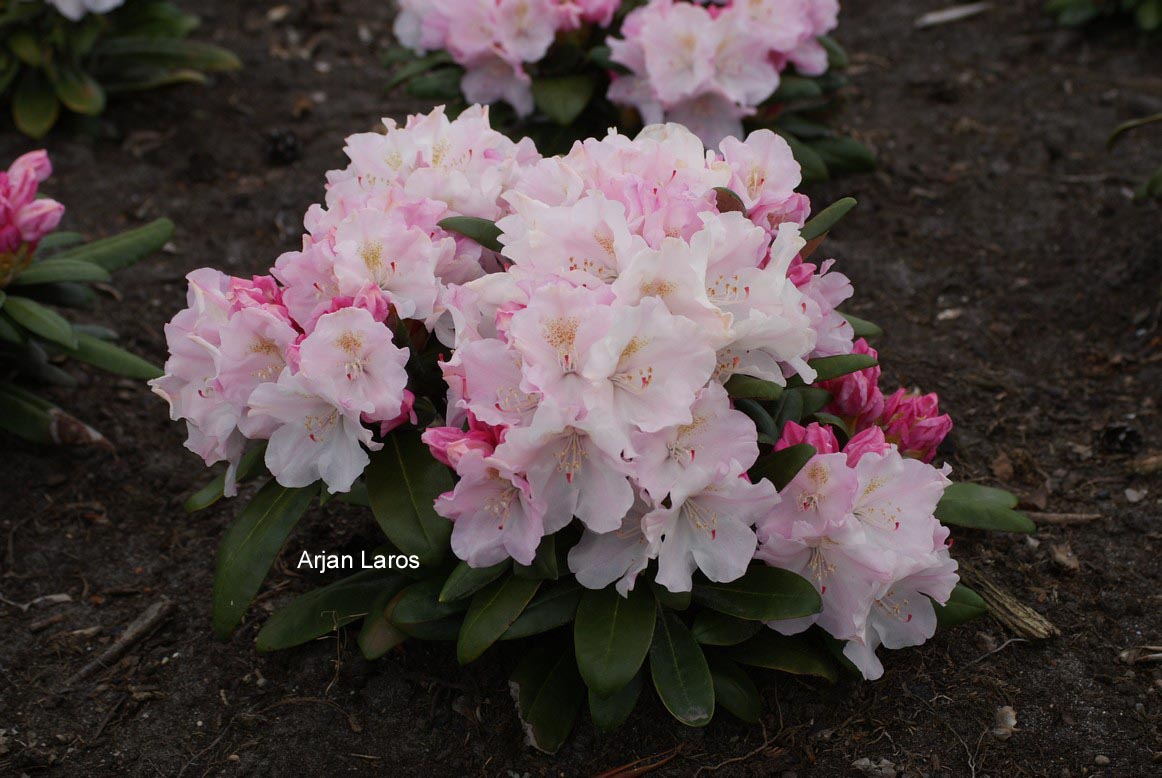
(551,608)
(836,57)
(814,399)
(844,155)
(27,48)
(741,386)
(420,613)
(680,672)
(41,321)
(564,98)
(762,420)
(763,594)
(78,90)
(813,166)
(862,327)
(325,610)
(610,712)
(734,690)
(794,655)
(823,222)
(981,507)
(56,270)
(712,628)
(612,635)
(465,580)
(250,547)
(676,601)
(492,612)
(544,564)
(378,634)
(963,605)
(35,107)
(792,88)
(209,494)
(168,53)
(57,241)
(106,356)
(403,483)
(483,231)
(827,368)
(418,66)
(121,251)
(549,694)
(790,409)
(442,84)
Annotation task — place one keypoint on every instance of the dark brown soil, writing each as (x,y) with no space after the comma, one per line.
(997,246)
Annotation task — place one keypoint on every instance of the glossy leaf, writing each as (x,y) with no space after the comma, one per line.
(464,580)
(745,387)
(483,231)
(77,90)
(250,547)
(763,594)
(492,612)
(325,610)
(248,467)
(963,605)
(121,251)
(823,222)
(611,635)
(544,564)
(734,690)
(403,482)
(680,673)
(828,368)
(549,694)
(420,613)
(553,607)
(56,270)
(610,712)
(106,356)
(782,466)
(844,155)
(41,321)
(712,628)
(379,634)
(563,98)
(862,327)
(795,655)
(168,53)
(981,507)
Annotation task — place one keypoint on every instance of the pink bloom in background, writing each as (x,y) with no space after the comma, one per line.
(710,66)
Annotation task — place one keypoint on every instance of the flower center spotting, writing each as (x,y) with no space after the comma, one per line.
(499,505)
(701,519)
(756,179)
(809,499)
(885,518)
(268,348)
(560,333)
(572,455)
(371,252)
(727,289)
(319,426)
(895,609)
(656,288)
(351,343)
(681,449)
(629,377)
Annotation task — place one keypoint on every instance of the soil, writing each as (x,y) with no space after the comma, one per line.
(997,246)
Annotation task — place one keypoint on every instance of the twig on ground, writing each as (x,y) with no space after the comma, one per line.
(142,626)
(1063,518)
(637,767)
(953,14)
(734,760)
(1006,609)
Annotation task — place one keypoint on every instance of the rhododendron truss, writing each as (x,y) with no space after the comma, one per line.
(42,270)
(606,398)
(72,54)
(564,70)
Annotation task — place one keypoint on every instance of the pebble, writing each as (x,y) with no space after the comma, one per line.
(1101,760)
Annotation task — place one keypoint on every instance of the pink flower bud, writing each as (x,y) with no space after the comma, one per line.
(915,424)
(38,218)
(856,397)
(815,434)
(870,441)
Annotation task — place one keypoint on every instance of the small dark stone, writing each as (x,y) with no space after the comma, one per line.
(1120,439)
(283,147)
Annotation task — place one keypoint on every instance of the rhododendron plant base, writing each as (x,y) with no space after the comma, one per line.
(604,400)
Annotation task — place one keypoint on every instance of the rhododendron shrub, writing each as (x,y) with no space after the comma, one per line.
(606,398)
(568,70)
(41,270)
(71,54)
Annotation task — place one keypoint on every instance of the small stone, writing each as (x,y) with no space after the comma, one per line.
(1006,723)
(1101,760)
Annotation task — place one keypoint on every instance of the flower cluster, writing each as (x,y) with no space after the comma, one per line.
(709,66)
(590,349)
(590,373)
(25,219)
(495,39)
(857,521)
(75,9)
(305,357)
